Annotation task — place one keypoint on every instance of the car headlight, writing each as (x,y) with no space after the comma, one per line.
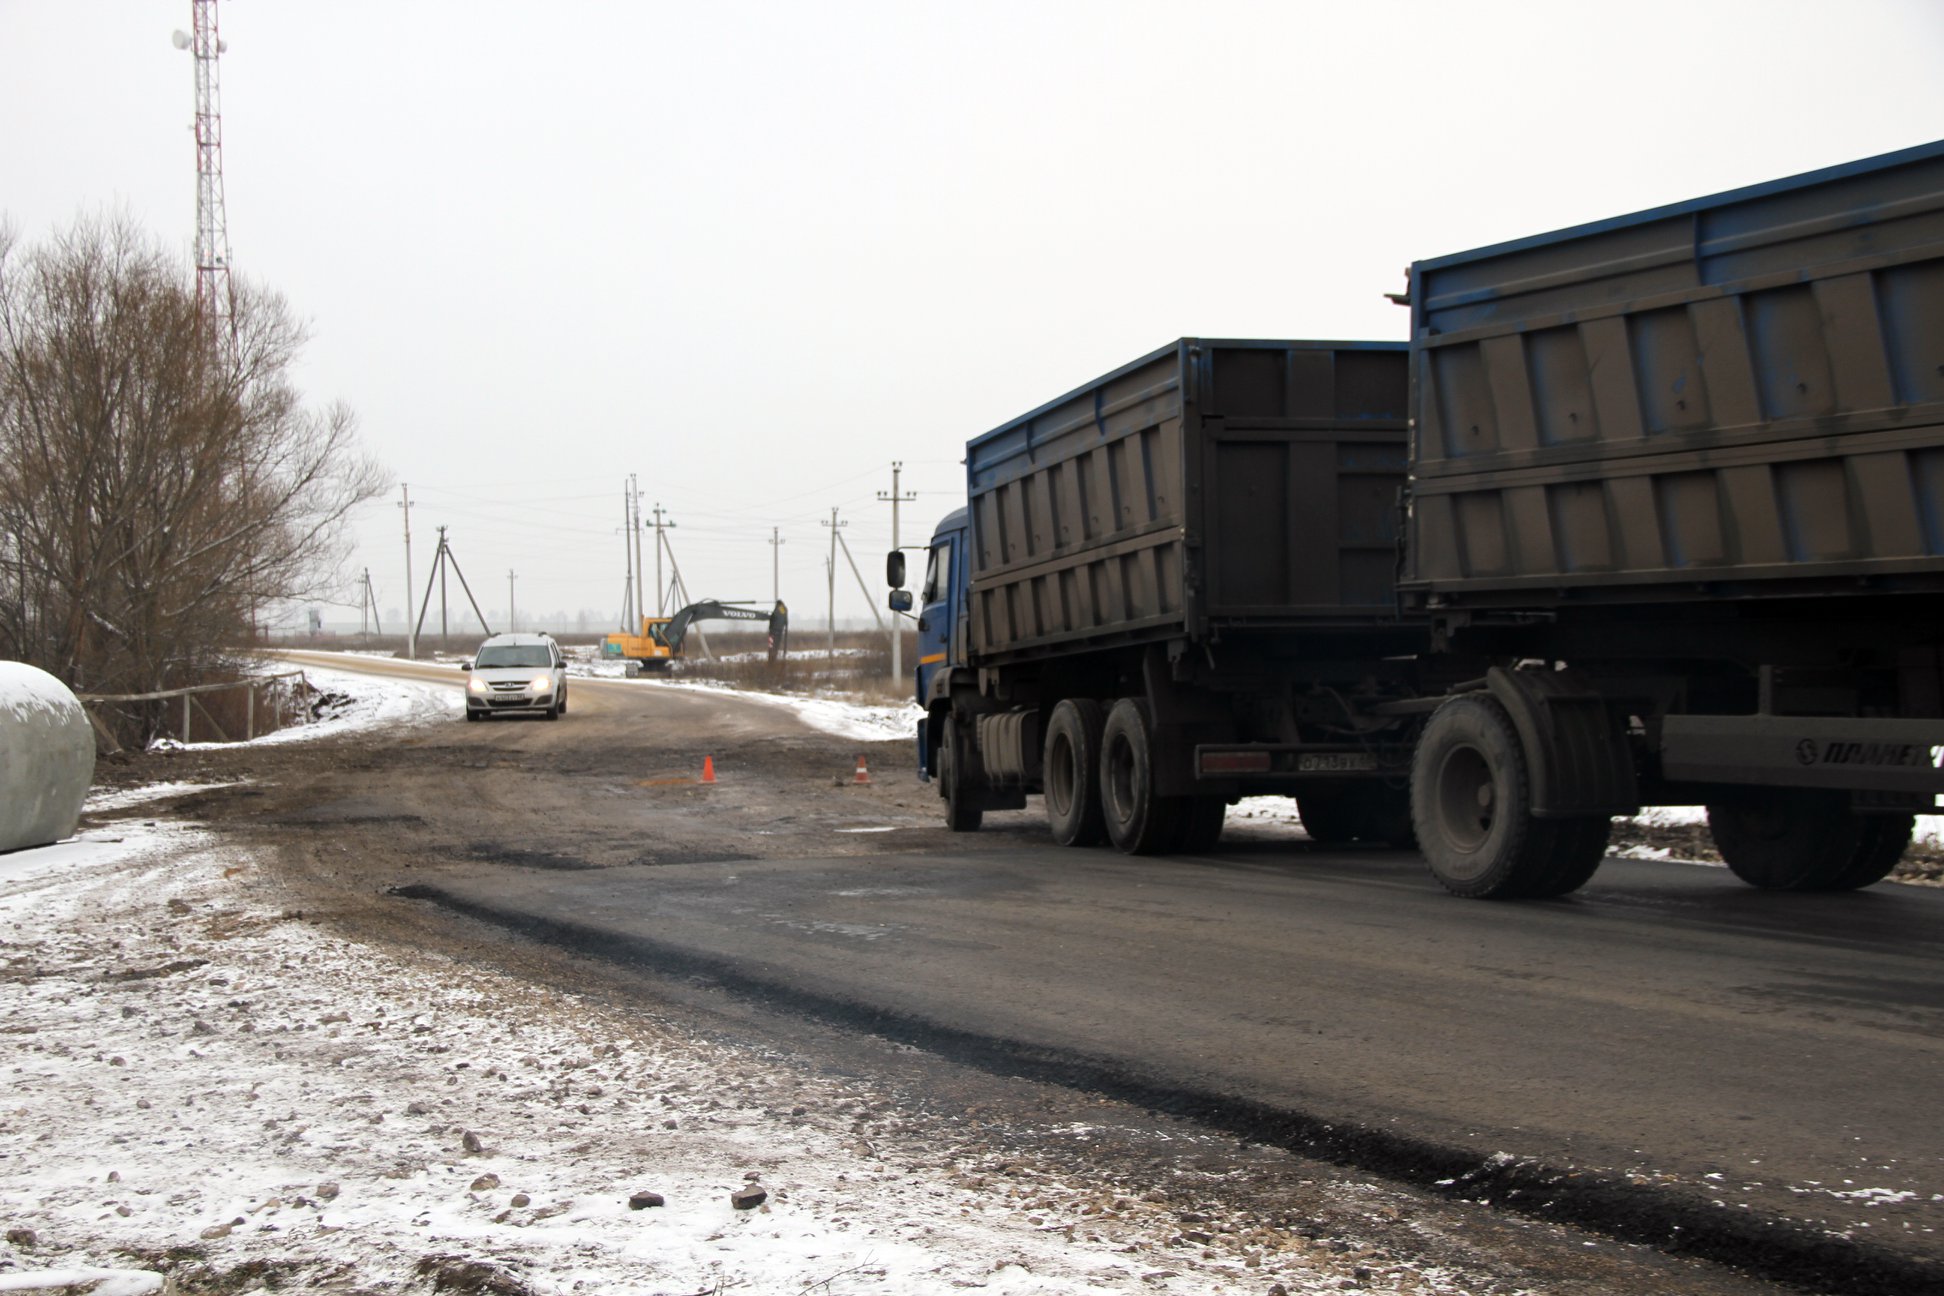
(475,685)
(542,684)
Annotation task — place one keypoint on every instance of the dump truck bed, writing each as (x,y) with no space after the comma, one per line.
(1209,484)
(1738,395)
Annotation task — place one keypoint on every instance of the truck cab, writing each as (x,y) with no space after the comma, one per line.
(941,604)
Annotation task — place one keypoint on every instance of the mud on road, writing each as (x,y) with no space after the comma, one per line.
(345,825)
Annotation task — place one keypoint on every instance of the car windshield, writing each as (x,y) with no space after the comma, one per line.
(513,655)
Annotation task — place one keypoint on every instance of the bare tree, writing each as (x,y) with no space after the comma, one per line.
(157,484)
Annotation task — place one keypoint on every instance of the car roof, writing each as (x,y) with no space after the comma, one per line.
(521,639)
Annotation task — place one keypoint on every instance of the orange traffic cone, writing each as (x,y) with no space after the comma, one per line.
(708,769)
(863,775)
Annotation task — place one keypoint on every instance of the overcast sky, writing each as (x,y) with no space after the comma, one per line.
(754,253)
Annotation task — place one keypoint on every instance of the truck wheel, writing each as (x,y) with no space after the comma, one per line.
(962,810)
(1803,840)
(1579,857)
(1365,812)
(1138,821)
(1331,816)
(1201,822)
(1388,816)
(1072,772)
(1885,838)
(1471,801)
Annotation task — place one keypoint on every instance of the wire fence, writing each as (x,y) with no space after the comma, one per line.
(229,711)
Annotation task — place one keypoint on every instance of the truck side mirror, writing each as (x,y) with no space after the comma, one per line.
(901,600)
(894,572)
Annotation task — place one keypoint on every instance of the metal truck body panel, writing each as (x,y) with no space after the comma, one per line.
(1209,483)
(1740,394)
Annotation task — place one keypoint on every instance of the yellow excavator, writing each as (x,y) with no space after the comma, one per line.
(659,644)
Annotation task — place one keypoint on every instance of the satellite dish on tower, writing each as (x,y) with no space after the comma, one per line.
(179,38)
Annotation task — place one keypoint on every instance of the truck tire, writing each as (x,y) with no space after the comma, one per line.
(1795,839)
(1578,859)
(1139,822)
(1471,799)
(1372,813)
(962,810)
(1387,818)
(1330,815)
(1885,838)
(1071,772)
(1200,824)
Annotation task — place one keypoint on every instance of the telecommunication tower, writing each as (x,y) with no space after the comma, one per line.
(213,294)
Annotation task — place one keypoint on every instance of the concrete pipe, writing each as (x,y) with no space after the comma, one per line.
(47,753)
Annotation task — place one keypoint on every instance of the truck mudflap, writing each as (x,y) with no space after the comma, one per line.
(924,751)
(1577,755)
(1850,753)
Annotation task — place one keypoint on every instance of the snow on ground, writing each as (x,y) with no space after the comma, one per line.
(195,1076)
(193,1068)
(359,704)
(102,800)
(841,717)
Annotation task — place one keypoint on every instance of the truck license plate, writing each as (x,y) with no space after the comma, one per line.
(1335,762)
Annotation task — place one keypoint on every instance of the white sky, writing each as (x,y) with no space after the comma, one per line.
(756,252)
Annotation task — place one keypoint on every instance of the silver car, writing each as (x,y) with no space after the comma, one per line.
(516,673)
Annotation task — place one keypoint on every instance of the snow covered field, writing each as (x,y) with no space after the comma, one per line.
(196,1079)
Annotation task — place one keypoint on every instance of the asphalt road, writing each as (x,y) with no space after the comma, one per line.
(1667,1054)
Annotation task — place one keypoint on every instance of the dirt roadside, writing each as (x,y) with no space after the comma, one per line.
(341,825)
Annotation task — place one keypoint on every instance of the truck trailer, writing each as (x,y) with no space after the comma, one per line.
(1647,512)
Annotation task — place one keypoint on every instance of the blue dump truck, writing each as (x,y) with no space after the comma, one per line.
(1647,512)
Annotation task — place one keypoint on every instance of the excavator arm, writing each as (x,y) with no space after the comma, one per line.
(678,625)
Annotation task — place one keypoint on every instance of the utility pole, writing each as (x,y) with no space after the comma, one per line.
(897,630)
(411,632)
(776,553)
(629,599)
(634,527)
(512,625)
(440,559)
(830,642)
(869,600)
(701,639)
(368,608)
(661,603)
